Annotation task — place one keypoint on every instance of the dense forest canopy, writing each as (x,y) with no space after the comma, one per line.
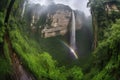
(25,55)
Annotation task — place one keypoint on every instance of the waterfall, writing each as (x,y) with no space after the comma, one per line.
(23,10)
(73,35)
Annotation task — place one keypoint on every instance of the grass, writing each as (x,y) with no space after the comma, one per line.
(5,68)
(38,62)
(5,63)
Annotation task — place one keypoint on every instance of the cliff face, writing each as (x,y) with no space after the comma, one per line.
(57,21)
(111,6)
(52,20)
(103,15)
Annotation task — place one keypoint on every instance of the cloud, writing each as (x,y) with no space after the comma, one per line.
(74,4)
(42,2)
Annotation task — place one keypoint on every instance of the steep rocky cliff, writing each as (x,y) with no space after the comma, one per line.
(57,21)
(51,20)
(104,13)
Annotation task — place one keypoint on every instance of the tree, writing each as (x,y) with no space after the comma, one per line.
(9,11)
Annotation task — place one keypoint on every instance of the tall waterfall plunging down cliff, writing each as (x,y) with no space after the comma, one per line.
(23,9)
(73,33)
(73,36)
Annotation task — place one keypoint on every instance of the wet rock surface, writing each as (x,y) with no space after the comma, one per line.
(19,72)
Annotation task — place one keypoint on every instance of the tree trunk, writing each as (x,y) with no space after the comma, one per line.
(95,29)
(9,11)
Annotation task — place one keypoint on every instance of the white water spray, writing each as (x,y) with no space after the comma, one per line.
(23,9)
(71,49)
(73,33)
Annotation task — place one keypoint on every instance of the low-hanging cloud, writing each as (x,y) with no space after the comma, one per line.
(74,4)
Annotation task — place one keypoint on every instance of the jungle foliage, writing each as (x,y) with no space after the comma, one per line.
(104,64)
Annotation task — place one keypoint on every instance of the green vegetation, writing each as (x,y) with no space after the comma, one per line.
(5,68)
(41,61)
(103,17)
(2,28)
(107,54)
(5,61)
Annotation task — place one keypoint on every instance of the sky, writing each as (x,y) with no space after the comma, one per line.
(74,4)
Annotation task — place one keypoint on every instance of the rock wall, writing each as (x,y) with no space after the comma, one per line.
(52,20)
(59,21)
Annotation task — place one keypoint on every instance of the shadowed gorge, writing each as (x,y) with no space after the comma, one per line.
(60,40)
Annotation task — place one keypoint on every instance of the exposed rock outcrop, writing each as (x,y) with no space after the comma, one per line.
(57,21)
(52,20)
(111,6)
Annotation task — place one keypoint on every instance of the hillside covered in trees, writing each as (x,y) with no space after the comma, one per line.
(37,42)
